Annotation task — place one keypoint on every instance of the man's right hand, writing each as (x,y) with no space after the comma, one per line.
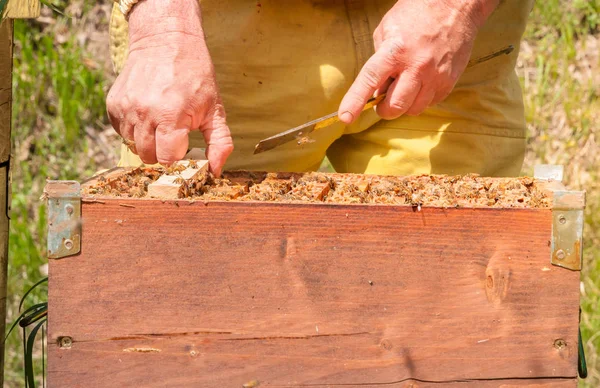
(167,87)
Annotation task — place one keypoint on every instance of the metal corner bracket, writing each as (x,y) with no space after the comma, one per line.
(567,229)
(566,245)
(64,218)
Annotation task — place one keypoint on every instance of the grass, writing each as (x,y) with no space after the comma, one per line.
(56,96)
(59,114)
(557,68)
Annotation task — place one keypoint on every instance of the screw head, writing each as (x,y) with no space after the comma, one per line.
(386,344)
(562,219)
(560,254)
(68,244)
(560,344)
(69,208)
(65,342)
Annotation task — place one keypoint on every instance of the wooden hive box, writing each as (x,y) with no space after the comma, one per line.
(319,280)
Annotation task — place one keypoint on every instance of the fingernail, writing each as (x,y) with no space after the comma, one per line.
(347,117)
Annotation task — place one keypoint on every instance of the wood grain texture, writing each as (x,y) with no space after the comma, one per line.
(23,9)
(6,38)
(219,294)
(169,186)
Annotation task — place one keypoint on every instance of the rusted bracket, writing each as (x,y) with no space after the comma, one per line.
(64,218)
(566,247)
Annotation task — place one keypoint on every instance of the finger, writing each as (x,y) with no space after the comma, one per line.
(114,121)
(440,96)
(113,109)
(145,142)
(386,85)
(400,97)
(127,129)
(171,143)
(422,101)
(373,74)
(219,144)
(115,115)
(377,38)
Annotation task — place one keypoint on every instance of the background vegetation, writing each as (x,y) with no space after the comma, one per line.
(560,72)
(60,129)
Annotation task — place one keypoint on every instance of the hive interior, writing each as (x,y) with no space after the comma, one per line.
(317,187)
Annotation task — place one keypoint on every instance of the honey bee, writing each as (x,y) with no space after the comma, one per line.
(185,190)
(174,169)
(417,201)
(305,140)
(130,144)
(145,182)
(137,192)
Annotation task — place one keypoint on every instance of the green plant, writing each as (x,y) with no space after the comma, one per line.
(2,5)
(58,106)
(562,104)
(36,316)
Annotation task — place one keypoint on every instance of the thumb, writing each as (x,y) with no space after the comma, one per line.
(171,143)
(219,144)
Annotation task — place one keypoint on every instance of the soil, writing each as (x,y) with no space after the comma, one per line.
(423,190)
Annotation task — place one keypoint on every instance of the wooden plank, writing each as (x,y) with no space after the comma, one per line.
(219,294)
(23,9)
(6,38)
(196,154)
(169,185)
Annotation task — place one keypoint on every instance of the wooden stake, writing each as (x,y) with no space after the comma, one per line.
(6,37)
(196,154)
(14,9)
(23,9)
(169,186)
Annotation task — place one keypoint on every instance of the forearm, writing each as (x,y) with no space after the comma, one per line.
(151,20)
(487,7)
(477,10)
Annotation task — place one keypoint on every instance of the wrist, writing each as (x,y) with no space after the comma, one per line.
(478,11)
(483,10)
(150,21)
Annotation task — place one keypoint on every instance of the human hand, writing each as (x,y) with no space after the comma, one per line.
(421,49)
(167,87)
